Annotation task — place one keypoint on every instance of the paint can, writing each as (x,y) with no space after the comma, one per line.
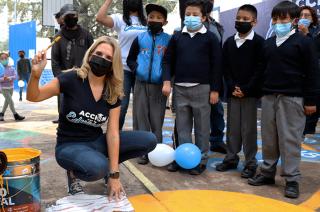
(21,181)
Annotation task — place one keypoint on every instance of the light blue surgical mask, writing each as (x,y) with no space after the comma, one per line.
(305,22)
(282,29)
(192,22)
(4,62)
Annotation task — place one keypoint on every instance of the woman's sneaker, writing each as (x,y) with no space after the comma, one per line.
(74,186)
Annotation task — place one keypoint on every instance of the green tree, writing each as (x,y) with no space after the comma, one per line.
(88,10)
(27,11)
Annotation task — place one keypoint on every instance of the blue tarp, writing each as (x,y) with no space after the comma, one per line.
(22,37)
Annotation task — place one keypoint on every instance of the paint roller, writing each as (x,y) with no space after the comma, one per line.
(53,42)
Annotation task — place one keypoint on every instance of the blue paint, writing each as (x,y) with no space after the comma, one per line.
(212,162)
(168,124)
(317,135)
(310,156)
(8,171)
(167,140)
(168,120)
(167,133)
(310,141)
(259,142)
(8,144)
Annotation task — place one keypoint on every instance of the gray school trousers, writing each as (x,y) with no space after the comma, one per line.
(192,106)
(7,93)
(149,108)
(242,130)
(282,124)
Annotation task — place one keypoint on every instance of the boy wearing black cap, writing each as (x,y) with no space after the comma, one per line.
(145,59)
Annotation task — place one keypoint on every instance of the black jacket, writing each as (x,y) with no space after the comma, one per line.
(23,67)
(69,51)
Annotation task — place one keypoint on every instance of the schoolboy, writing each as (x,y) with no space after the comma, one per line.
(290,87)
(193,58)
(145,58)
(241,62)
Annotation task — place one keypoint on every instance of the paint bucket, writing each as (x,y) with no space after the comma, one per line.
(21,188)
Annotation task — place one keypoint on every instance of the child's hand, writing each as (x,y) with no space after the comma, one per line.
(237,92)
(214,97)
(302,28)
(308,110)
(166,89)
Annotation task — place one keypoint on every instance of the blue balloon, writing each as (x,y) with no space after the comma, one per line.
(188,156)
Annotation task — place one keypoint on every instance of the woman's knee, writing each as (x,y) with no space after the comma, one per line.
(90,166)
(149,140)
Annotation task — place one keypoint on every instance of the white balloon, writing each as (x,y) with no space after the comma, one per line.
(162,155)
(21,83)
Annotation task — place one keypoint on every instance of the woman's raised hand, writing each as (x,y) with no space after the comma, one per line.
(39,62)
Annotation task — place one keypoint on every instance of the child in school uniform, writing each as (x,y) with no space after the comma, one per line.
(193,58)
(145,58)
(290,87)
(241,59)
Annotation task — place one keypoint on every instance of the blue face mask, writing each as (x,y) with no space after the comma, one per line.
(305,22)
(192,22)
(4,62)
(282,29)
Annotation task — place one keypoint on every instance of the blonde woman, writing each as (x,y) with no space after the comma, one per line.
(91,97)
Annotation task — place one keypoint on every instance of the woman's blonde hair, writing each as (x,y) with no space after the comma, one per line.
(114,84)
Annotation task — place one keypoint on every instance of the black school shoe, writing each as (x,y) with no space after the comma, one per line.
(173,167)
(292,190)
(197,170)
(248,172)
(225,166)
(260,180)
(143,160)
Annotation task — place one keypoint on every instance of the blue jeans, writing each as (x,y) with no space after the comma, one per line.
(89,160)
(128,85)
(25,77)
(216,123)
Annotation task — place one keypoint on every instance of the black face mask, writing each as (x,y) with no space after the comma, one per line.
(21,55)
(155,27)
(133,5)
(70,22)
(243,27)
(100,67)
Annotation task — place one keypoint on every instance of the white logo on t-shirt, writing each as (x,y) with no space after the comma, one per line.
(90,119)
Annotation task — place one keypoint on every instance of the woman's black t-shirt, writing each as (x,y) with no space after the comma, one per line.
(81,116)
